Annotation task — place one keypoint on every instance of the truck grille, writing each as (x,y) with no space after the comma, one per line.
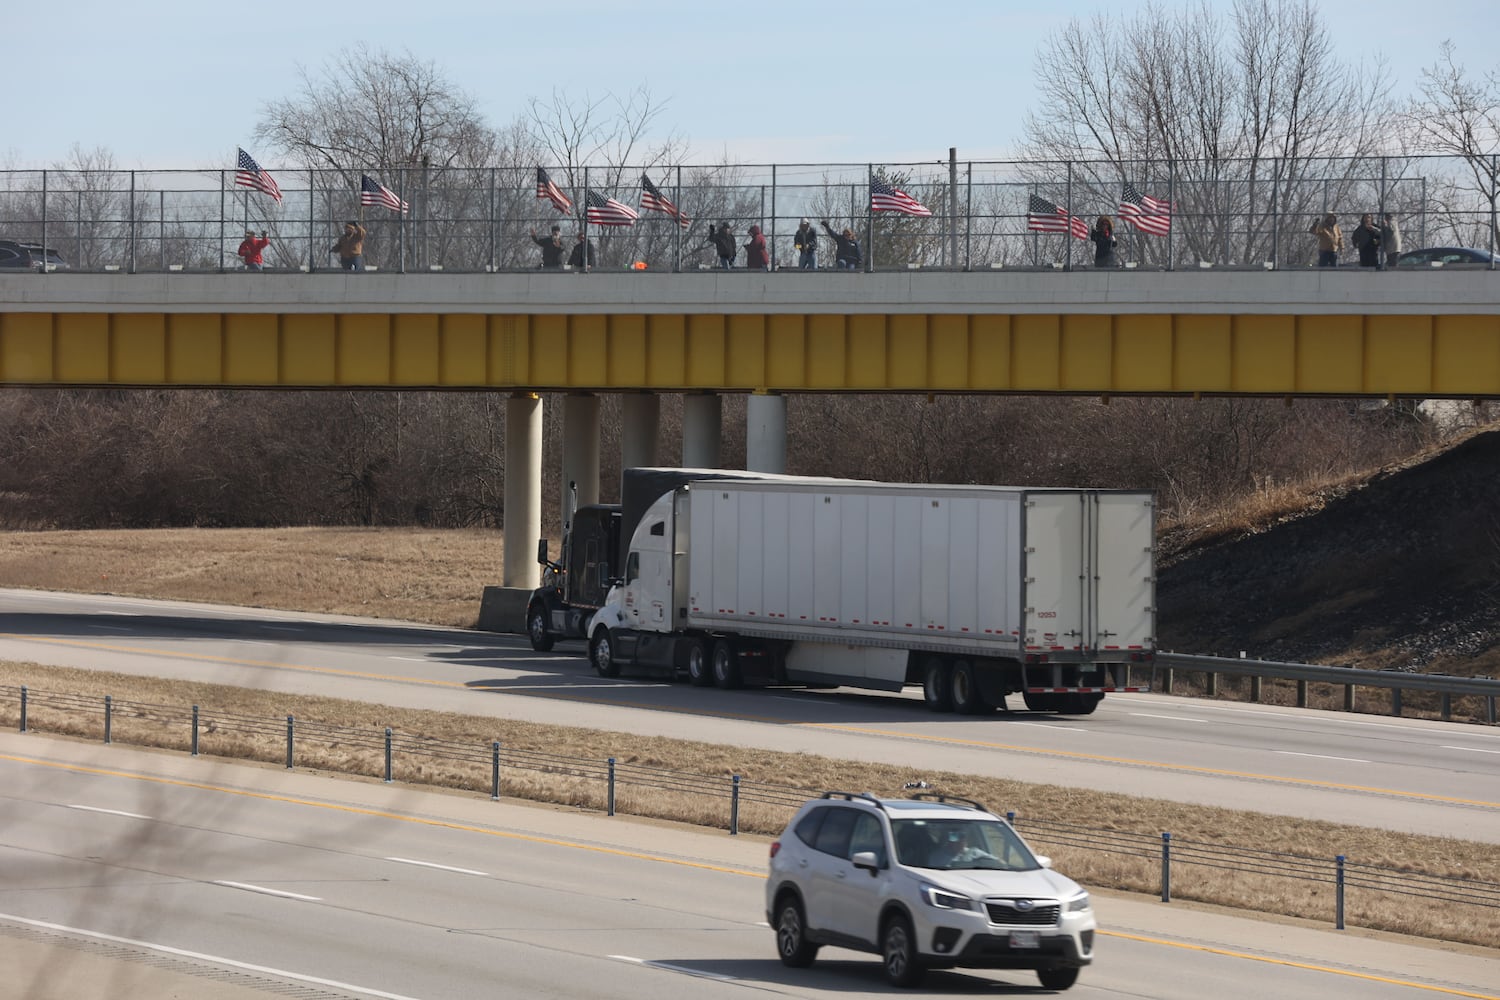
(1006,912)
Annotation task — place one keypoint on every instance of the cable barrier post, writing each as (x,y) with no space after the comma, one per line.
(734,807)
(610,797)
(387,755)
(195,731)
(1338,892)
(109,704)
(495,771)
(1166,867)
(290,731)
(23,708)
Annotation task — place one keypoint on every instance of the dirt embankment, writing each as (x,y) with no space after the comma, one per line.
(1401,571)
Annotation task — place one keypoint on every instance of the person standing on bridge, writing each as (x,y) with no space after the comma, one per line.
(757,256)
(1390,239)
(1330,240)
(582,257)
(552,248)
(250,249)
(806,242)
(723,241)
(1367,239)
(351,247)
(1103,235)
(846,255)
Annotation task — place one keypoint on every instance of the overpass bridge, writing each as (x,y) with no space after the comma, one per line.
(1213,332)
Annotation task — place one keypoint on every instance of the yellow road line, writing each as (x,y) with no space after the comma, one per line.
(831,726)
(662,859)
(1370,977)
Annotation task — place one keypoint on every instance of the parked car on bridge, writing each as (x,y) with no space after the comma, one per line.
(15,254)
(1446,257)
(929,882)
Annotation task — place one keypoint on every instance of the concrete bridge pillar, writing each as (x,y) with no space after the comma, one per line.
(702,430)
(641,428)
(580,451)
(765,432)
(523,490)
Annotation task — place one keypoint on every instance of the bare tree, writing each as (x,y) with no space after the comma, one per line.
(1459,115)
(1226,114)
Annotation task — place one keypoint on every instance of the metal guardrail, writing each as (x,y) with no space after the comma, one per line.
(1250,213)
(1350,678)
(379,753)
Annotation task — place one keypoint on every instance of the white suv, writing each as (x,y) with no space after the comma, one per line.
(930,882)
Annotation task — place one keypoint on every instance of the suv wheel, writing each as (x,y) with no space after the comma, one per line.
(791,936)
(898,946)
(536,628)
(1058,979)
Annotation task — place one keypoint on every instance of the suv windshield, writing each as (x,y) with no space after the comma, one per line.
(960,844)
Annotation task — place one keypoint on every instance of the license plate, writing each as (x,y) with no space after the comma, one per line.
(1025,939)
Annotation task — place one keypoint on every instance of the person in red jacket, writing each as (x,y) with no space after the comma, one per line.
(757,258)
(251,248)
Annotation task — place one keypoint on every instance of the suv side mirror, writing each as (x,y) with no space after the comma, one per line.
(866,860)
(541,551)
(1044,861)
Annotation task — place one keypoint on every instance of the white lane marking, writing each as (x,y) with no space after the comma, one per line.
(1174,718)
(669,967)
(269,892)
(1471,749)
(1415,726)
(216,959)
(112,812)
(1321,756)
(284,628)
(432,864)
(1051,725)
(413,659)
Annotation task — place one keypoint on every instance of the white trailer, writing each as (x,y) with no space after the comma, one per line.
(973,592)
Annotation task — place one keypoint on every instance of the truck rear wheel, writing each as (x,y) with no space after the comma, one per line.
(699,669)
(536,628)
(602,654)
(963,688)
(726,665)
(935,681)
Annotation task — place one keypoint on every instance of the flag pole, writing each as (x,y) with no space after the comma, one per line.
(1068,243)
(869,220)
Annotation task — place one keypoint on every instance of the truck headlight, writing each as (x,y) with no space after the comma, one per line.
(1078,903)
(945,900)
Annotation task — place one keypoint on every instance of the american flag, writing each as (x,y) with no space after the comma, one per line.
(884,198)
(545,189)
(372,192)
(1148,214)
(602,211)
(653,200)
(1044,217)
(248,174)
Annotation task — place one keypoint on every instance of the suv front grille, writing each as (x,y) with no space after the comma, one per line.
(1005,912)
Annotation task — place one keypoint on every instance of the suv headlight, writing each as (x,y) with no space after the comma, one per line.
(945,900)
(1078,903)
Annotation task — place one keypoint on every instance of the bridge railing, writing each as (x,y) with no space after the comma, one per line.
(1236,213)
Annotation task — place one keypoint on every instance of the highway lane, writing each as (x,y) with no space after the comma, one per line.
(1403,774)
(252,881)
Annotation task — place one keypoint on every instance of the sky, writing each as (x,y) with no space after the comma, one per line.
(181,83)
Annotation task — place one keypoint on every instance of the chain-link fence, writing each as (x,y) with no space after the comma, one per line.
(1233,213)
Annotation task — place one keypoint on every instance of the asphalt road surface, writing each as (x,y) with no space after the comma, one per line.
(136,874)
(1403,774)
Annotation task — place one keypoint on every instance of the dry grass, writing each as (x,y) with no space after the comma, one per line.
(1133,826)
(436,577)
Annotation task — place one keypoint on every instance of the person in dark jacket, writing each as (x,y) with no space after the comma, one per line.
(582,257)
(1103,235)
(723,241)
(1367,241)
(846,254)
(757,258)
(806,242)
(552,248)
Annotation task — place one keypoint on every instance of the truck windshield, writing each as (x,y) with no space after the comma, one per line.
(960,843)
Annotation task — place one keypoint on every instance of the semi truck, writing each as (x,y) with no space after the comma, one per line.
(972,593)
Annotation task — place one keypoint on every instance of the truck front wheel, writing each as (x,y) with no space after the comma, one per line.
(602,654)
(536,628)
(935,690)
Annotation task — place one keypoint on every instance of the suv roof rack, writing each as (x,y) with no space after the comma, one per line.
(937,797)
(856,797)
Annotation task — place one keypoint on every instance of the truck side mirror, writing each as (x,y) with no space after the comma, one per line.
(541,551)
